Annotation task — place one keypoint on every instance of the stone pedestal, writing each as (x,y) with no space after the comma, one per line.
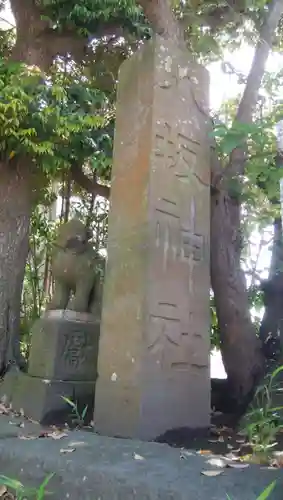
(62,362)
(154,348)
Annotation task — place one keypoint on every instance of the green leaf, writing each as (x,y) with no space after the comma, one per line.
(266,493)
(11,483)
(70,402)
(84,412)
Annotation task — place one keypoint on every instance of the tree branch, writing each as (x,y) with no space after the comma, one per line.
(249,99)
(266,35)
(86,183)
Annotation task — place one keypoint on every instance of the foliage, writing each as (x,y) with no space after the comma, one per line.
(77,416)
(92,17)
(46,120)
(214,328)
(96,17)
(67,117)
(265,494)
(38,281)
(211,27)
(22,492)
(264,420)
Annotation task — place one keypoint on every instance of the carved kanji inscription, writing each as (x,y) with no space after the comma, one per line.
(156,291)
(193,245)
(171,344)
(77,349)
(178,152)
(177,241)
(164,328)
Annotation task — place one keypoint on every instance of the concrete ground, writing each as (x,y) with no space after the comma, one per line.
(101,468)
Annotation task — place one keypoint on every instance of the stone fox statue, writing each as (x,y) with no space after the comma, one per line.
(77,270)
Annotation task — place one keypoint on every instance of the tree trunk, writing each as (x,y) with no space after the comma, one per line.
(240,347)
(15,212)
(271,328)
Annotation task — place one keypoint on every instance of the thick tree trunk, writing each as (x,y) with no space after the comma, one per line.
(15,212)
(240,347)
(271,328)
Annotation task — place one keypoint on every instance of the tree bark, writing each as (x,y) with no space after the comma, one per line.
(241,349)
(90,185)
(15,212)
(271,328)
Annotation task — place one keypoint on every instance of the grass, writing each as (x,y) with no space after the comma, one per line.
(77,417)
(265,494)
(23,493)
(264,421)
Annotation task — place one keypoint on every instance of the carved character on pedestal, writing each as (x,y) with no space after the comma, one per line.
(76,269)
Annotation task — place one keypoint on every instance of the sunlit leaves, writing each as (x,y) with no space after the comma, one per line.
(49,121)
(89,17)
(230,138)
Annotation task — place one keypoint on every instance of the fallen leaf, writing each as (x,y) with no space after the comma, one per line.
(3,410)
(138,457)
(77,443)
(217,462)
(212,473)
(217,413)
(3,490)
(204,452)
(237,465)
(27,438)
(231,456)
(67,450)
(57,435)
(43,434)
(184,454)
(278,459)
(32,421)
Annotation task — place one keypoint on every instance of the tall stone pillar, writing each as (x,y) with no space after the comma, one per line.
(153,367)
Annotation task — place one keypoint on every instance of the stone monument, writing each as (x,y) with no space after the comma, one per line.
(153,366)
(64,346)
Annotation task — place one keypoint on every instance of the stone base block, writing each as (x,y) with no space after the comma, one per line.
(64,346)
(42,400)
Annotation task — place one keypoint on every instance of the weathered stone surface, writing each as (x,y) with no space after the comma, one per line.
(76,268)
(154,346)
(112,469)
(64,346)
(42,399)
(62,362)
